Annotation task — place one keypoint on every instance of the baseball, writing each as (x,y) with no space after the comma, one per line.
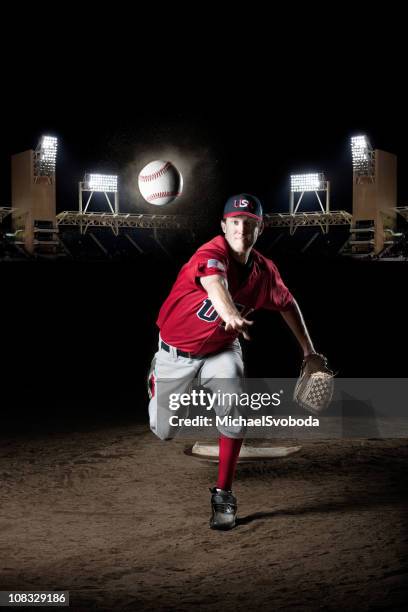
(160,182)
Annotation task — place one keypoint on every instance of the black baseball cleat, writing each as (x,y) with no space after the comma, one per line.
(224,509)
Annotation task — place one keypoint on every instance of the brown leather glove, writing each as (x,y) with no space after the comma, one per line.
(314,388)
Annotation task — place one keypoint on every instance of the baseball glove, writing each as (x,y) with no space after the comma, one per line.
(314,388)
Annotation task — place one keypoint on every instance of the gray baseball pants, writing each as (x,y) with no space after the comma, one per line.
(175,374)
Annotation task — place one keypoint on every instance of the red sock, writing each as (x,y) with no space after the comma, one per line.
(229,452)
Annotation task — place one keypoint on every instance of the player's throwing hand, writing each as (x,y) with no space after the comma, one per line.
(238,324)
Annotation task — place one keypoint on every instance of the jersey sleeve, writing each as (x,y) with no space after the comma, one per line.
(278,297)
(209,262)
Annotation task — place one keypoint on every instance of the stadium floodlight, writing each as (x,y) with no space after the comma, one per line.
(311,182)
(45,156)
(299,183)
(362,155)
(101,182)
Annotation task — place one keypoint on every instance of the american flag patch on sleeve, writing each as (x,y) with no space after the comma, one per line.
(214,263)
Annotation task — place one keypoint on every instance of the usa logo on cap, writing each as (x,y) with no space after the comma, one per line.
(243,204)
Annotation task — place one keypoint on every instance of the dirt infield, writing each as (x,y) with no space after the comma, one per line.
(120,520)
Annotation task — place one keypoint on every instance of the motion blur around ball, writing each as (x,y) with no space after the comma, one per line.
(160,182)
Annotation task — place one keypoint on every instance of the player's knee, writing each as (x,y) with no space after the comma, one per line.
(162,433)
(231,431)
(230,373)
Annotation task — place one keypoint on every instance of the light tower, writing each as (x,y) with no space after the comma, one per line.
(302,183)
(363,157)
(314,182)
(98,183)
(374,197)
(33,197)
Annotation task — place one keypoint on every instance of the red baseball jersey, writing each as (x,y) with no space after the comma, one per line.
(188,320)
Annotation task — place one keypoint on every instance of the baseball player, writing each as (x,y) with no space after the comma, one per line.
(200,323)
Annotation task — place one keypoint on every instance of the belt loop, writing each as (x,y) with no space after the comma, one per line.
(173,352)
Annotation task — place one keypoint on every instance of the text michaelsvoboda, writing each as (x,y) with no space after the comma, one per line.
(229,421)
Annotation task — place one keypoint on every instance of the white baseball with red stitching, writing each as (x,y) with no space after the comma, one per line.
(160,182)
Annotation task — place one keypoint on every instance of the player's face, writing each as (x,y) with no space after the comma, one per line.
(241,232)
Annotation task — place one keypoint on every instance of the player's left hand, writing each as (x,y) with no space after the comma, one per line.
(315,386)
